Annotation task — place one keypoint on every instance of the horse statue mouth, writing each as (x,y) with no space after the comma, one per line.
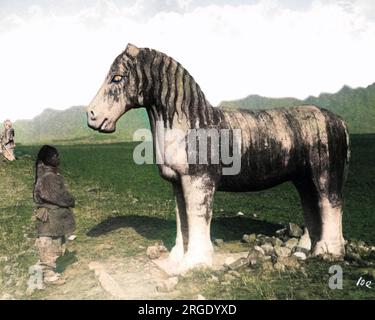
(106,126)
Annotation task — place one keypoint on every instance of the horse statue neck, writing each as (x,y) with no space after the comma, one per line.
(170,94)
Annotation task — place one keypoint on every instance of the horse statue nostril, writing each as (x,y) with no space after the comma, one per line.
(92,115)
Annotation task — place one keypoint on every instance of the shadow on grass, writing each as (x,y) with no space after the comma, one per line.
(154,228)
(66,260)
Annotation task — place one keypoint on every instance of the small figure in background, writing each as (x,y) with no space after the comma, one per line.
(54,217)
(7,143)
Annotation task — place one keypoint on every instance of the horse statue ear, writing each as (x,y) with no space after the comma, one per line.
(132,50)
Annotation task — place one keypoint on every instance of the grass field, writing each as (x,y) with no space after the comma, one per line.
(130,207)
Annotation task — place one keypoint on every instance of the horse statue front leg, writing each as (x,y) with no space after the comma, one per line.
(182,236)
(198,195)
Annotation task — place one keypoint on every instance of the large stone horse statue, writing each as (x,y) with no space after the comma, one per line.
(306,145)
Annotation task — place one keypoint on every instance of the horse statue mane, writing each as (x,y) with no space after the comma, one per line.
(174,89)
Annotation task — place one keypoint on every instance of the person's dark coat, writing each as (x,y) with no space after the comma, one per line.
(54,216)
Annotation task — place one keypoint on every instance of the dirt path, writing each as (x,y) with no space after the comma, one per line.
(130,278)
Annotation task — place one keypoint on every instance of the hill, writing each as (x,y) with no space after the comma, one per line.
(356,106)
(55,126)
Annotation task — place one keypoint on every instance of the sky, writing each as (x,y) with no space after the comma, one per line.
(55,54)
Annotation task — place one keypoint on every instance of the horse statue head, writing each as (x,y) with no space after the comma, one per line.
(118,93)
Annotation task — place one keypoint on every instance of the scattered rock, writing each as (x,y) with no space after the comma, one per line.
(267,258)
(163,248)
(268,239)
(154,252)
(291,243)
(249,238)
(255,258)
(218,242)
(305,241)
(289,262)
(167,285)
(214,278)
(281,232)
(359,247)
(237,264)
(261,239)
(4,259)
(356,257)
(260,250)
(283,251)
(267,266)
(276,241)
(245,238)
(294,230)
(300,255)
(267,248)
(304,250)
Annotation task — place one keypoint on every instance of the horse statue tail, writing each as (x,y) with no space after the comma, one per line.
(339,150)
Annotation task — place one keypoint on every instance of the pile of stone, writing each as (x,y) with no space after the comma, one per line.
(282,251)
(358,253)
(276,253)
(156,251)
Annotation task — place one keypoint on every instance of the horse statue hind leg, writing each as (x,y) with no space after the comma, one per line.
(321,193)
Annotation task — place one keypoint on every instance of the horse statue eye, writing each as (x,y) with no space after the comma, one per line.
(117,78)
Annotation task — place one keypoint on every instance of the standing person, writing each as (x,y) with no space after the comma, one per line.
(7,141)
(54,217)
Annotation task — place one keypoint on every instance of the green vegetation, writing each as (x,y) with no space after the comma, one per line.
(70,126)
(129,207)
(356,106)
